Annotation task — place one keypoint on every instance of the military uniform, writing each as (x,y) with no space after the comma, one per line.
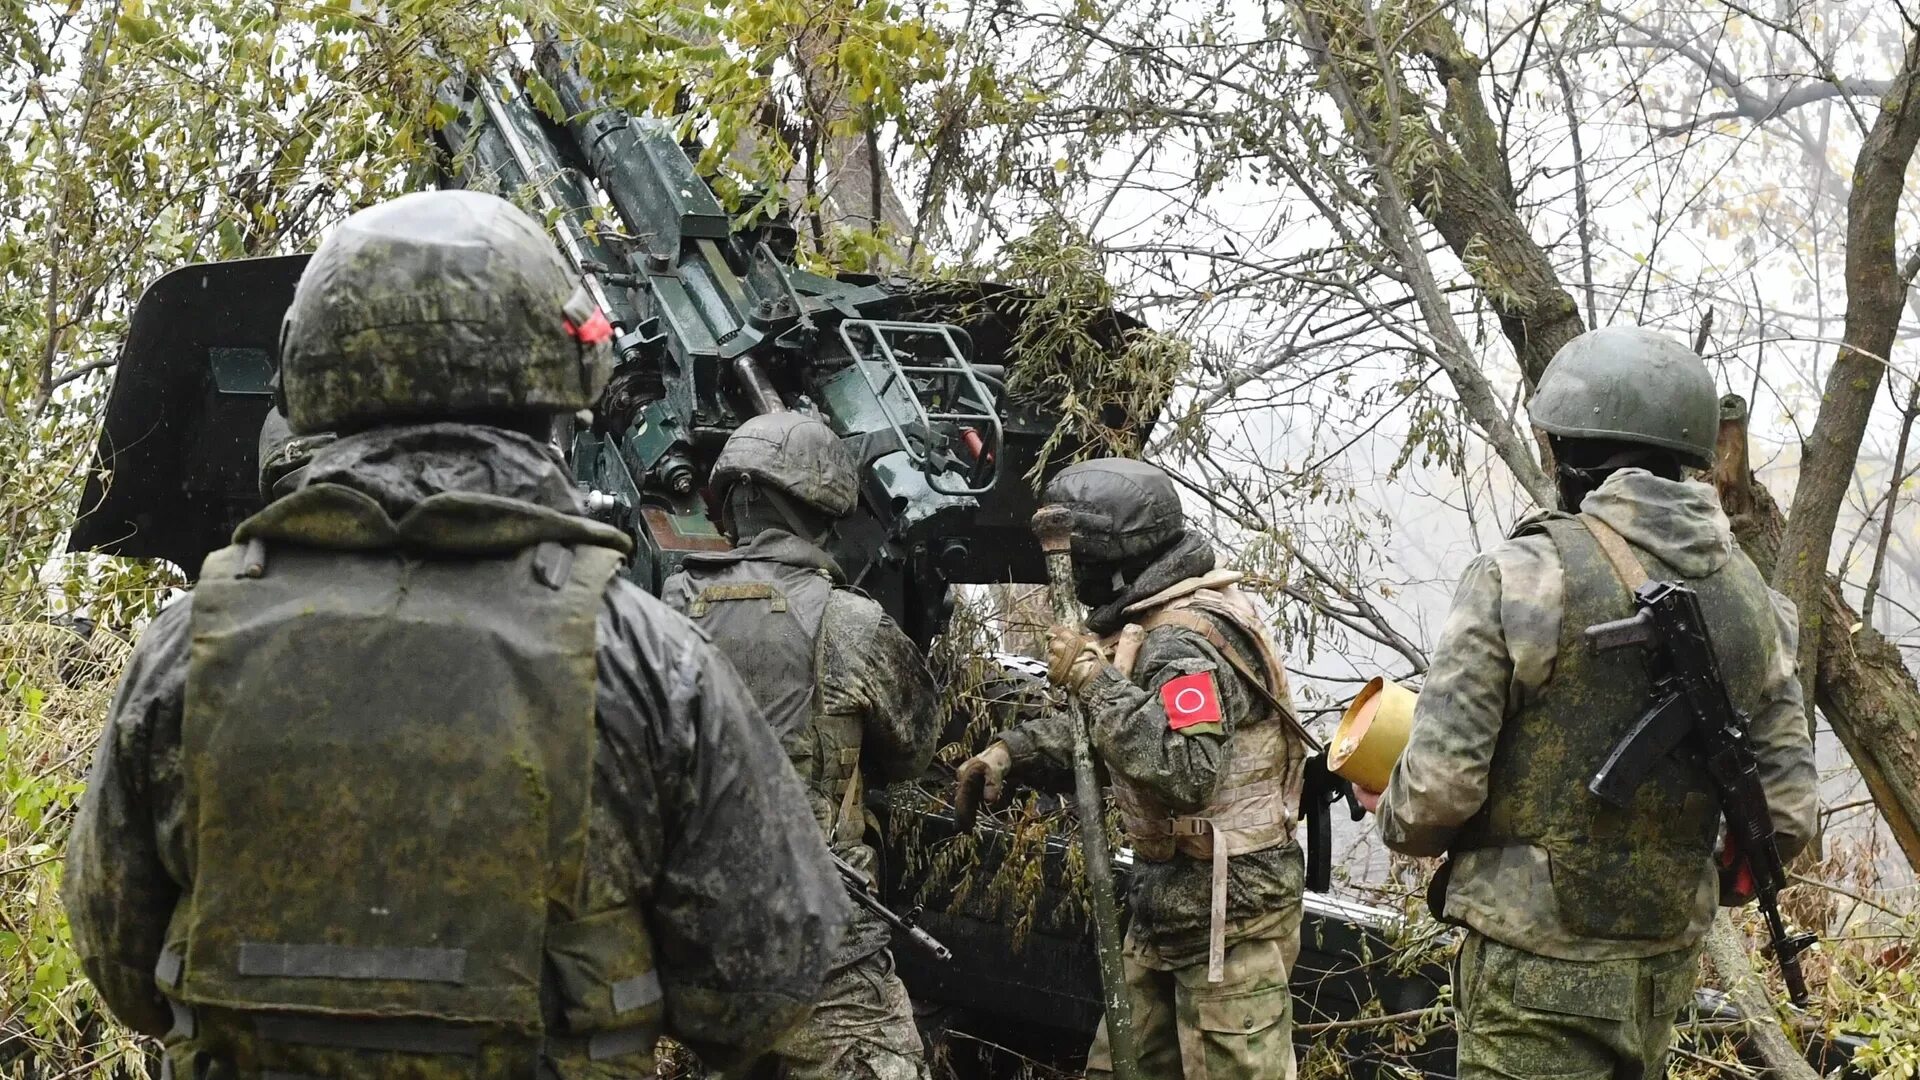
(851,700)
(1584,922)
(1208,793)
(412,784)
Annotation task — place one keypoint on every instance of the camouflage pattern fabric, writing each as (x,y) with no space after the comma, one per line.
(435,304)
(1237,1029)
(1497,651)
(1171,901)
(868,712)
(792,453)
(862,1028)
(853,705)
(1633,872)
(694,817)
(283,456)
(1522,1016)
(1191,1025)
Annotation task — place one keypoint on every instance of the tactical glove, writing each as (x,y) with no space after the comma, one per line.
(1073,657)
(981,778)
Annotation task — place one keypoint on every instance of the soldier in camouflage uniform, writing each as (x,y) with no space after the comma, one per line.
(1584,922)
(412,784)
(1190,714)
(846,692)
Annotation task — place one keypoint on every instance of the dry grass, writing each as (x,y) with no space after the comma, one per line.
(55,694)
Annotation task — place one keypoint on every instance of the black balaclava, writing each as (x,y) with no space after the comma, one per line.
(1582,465)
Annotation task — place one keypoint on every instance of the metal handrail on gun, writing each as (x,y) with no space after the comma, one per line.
(962,383)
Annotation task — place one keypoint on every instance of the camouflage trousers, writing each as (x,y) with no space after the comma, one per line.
(1522,1015)
(861,1028)
(1240,1028)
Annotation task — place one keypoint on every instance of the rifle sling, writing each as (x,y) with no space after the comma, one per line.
(1626,565)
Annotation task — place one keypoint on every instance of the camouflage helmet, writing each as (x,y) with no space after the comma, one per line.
(1123,510)
(794,454)
(284,456)
(1633,385)
(436,304)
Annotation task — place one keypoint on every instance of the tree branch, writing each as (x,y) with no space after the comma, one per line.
(1876,295)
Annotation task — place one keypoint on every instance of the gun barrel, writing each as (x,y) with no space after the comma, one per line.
(929,943)
(860,889)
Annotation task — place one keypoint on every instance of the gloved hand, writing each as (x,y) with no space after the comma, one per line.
(981,778)
(1073,657)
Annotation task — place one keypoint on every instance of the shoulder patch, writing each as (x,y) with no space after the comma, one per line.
(1191,699)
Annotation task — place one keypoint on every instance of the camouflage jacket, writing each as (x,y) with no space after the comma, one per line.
(1495,654)
(1171,900)
(873,690)
(695,813)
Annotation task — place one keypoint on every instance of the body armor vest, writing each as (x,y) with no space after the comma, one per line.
(765,616)
(1254,806)
(388,743)
(1632,874)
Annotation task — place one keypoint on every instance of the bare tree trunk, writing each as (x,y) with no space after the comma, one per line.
(1876,297)
(1730,958)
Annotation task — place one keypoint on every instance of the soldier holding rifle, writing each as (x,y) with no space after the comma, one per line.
(842,687)
(1586,899)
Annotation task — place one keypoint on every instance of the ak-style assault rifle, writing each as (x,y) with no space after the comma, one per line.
(1692,713)
(860,887)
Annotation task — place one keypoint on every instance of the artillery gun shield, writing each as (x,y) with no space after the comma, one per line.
(176,466)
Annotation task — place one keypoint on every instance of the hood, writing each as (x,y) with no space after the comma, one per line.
(773,545)
(400,466)
(1679,521)
(1192,556)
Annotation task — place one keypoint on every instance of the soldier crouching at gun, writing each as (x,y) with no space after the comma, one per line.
(1577,786)
(1188,706)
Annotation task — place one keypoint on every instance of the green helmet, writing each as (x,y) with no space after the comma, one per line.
(284,456)
(436,304)
(794,454)
(1123,510)
(1633,385)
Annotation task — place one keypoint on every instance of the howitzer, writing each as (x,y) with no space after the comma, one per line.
(860,886)
(715,321)
(1693,714)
